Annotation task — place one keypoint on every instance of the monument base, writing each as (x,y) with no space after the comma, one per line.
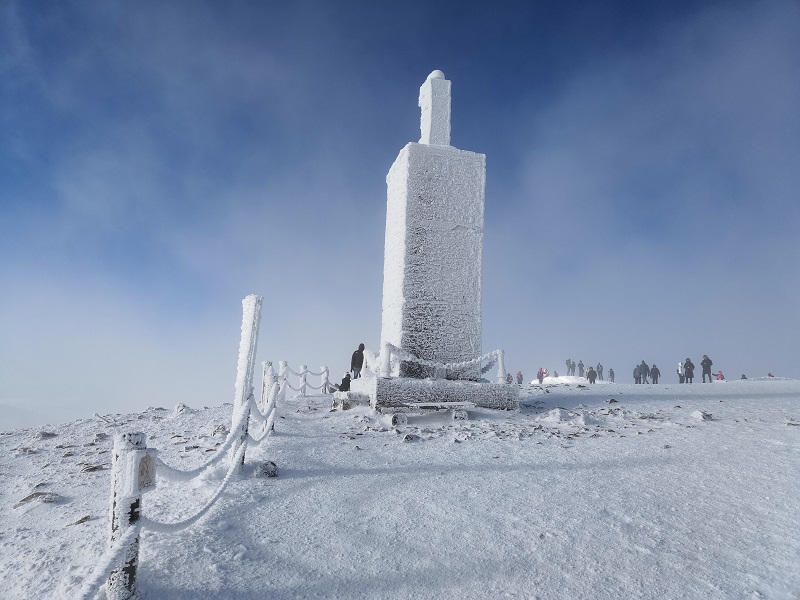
(402,391)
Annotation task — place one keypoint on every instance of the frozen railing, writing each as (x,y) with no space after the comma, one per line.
(269,378)
(135,468)
(382,364)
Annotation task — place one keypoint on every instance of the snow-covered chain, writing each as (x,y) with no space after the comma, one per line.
(160,527)
(284,371)
(380,363)
(169,472)
(407,356)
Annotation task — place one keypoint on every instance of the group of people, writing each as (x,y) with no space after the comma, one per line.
(686,370)
(592,373)
(356,364)
(642,373)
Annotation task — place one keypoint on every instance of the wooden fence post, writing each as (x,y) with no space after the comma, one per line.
(132,470)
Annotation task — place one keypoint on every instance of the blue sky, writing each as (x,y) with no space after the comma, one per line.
(160,161)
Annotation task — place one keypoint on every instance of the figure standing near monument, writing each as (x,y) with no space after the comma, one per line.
(540,375)
(591,374)
(580,368)
(519,377)
(569,366)
(599,370)
(344,386)
(706,364)
(681,376)
(611,375)
(357,361)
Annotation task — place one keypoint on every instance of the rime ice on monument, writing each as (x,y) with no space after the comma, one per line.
(434,239)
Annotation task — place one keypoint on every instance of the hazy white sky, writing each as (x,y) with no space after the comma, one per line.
(159,161)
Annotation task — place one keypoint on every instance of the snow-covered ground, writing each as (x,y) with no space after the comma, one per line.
(605,491)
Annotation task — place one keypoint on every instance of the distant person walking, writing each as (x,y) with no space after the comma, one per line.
(681,376)
(655,373)
(706,364)
(591,375)
(357,361)
(580,368)
(644,371)
(611,375)
(688,370)
(600,371)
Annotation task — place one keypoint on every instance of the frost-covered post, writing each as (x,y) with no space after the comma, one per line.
(386,360)
(266,381)
(283,369)
(304,379)
(251,318)
(131,470)
(326,383)
(501,367)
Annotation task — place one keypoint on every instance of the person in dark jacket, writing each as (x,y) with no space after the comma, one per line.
(611,375)
(569,366)
(688,370)
(706,364)
(345,385)
(655,373)
(599,371)
(644,371)
(357,362)
(580,368)
(591,375)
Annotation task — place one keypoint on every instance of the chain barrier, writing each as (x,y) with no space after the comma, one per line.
(135,467)
(284,371)
(382,361)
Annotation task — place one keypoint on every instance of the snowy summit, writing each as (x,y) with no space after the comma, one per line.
(608,491)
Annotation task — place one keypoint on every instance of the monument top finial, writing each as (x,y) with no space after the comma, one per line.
(434,100)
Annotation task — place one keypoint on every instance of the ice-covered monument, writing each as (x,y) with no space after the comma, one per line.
(431,322)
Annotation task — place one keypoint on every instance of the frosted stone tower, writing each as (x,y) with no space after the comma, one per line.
(433,248)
